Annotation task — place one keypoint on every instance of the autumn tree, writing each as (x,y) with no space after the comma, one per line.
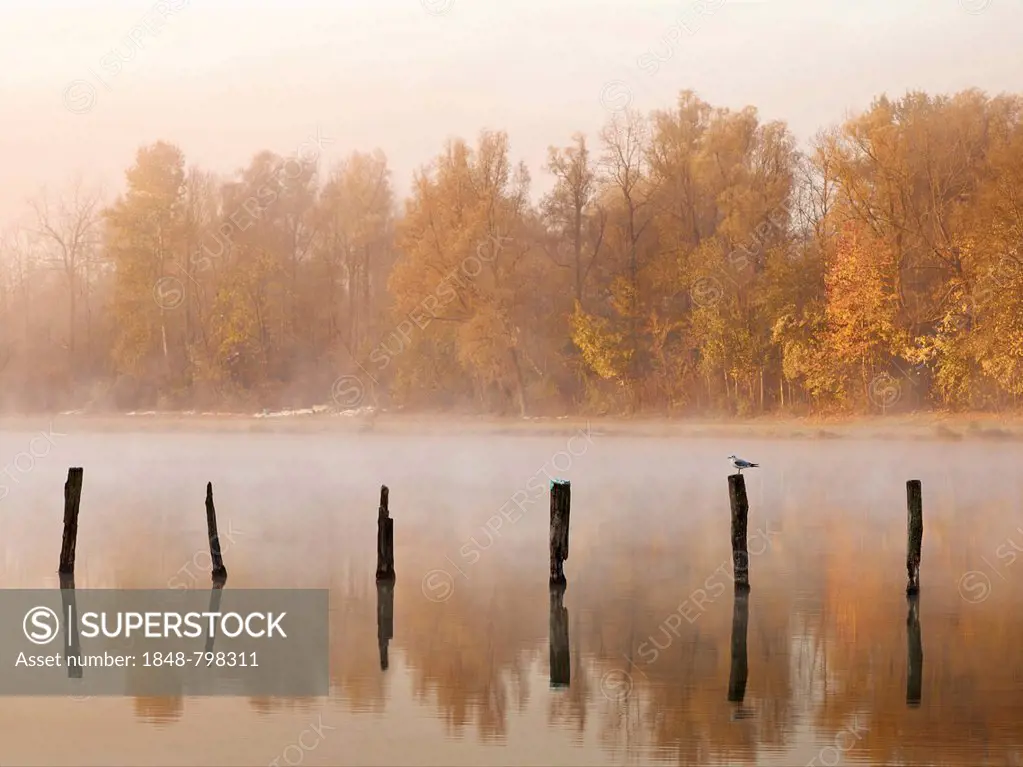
(467,274)
(572,214)
(354,253)
(145,243)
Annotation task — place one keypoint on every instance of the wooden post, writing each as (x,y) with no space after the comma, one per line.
(915,529)
(915,673)
(219,571)
(561,663)
(740,668)
(385,619)
(740,515)
(385,540)
(72,498)
(69,606)
(561,503)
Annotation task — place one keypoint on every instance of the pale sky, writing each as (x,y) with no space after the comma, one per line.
(224,79)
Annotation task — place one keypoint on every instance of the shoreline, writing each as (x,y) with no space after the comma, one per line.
(910,427)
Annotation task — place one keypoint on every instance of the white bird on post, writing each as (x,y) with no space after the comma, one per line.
(741,464)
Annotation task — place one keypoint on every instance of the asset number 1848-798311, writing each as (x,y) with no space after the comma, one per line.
(200,659)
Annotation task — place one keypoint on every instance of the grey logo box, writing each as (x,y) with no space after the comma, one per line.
(159,643)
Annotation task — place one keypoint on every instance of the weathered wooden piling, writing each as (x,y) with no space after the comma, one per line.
(72,499)
(561,503)
(385,619)
(740,517)
(561,662)
(740,668)
(216,592)
(219,571)
(915,530)
(385,540)
(72,644)
(914,643)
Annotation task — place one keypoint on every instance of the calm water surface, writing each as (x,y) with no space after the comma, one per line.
(640,663)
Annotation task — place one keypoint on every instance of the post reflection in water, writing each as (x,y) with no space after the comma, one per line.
(216,593)
(561,662)
(72,642)
(739,669)
(385,619)
(914,675)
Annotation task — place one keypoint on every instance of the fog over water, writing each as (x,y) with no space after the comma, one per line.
(649,603)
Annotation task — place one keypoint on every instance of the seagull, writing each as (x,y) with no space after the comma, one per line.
(740,464)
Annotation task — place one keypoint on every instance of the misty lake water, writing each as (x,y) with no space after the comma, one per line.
(643,676)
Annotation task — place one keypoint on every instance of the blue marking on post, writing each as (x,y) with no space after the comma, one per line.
(558,482)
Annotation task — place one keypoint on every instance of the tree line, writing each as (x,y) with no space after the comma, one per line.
(690,260)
